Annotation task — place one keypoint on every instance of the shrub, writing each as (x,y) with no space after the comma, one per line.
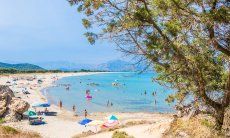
(195,127)
(2,120)
(121,134)
(207,123)
(9,130)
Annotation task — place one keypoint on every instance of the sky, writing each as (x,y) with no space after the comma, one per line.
(35,31)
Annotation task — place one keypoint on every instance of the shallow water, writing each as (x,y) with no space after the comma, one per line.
(129,96)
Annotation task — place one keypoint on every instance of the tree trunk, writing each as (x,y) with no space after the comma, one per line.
(218,107)
(219,116)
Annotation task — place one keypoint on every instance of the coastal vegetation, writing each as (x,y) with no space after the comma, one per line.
(196,127)
(15,71)
(186,42)
(6,68)
(2,120)
(9,132)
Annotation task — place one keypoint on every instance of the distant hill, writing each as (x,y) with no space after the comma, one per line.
(21,67)
(64,66)
(117,65)
(114,65)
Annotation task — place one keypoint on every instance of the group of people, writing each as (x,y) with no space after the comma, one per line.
(109,103)
(153,94)
(74,109)
(85,111)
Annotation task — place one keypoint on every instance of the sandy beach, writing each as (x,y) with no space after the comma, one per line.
(65,124)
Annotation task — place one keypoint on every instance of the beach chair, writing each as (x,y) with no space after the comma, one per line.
(36,122)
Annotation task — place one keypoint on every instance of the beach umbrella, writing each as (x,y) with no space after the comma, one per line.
(112,117)
(95,123)
(110,124)
(41,105)
(85,121)
(30,113)
(33,117)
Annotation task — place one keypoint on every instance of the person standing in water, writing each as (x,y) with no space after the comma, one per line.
(86,113)
(145,92)
(154,93)
(87,92)
(107,103)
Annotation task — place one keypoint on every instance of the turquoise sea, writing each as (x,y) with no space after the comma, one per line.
(133,93)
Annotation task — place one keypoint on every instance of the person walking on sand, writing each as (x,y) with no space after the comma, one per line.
(86,113)
(74,108)
(60,104)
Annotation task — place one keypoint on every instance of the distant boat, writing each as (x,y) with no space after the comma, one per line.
(93,84)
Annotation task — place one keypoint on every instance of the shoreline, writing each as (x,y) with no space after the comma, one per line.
(61,77)
(66,118)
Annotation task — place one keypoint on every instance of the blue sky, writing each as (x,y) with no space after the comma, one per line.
(47,30)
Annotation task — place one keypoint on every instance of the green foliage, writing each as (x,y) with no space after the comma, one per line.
(187,42)
(118,134)
(91,37)
(2,120)
(207,123)
(6,131)
(9,130)
(86,23)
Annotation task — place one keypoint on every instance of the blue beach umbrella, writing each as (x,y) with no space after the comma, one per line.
(85,121)
(41,105)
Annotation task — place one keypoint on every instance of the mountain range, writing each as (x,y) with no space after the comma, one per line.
(114,65)
(21,67)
